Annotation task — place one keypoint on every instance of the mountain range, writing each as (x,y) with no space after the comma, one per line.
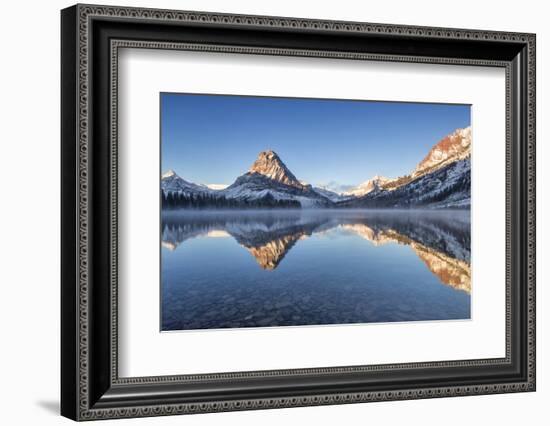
(440,180)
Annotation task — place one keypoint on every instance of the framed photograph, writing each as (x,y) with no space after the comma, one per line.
(263,212)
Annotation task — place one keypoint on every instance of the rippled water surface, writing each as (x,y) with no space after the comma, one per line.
(289,268)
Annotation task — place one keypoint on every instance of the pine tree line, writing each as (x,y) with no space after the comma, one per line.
(180,200)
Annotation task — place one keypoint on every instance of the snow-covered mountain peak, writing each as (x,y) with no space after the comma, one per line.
(168,174)
(171,182)
(466,134)
(452,147)
(377,182)
(270,165)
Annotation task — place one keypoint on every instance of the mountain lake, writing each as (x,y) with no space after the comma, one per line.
(268,268)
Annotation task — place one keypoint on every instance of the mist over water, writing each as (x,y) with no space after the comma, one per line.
(231,269)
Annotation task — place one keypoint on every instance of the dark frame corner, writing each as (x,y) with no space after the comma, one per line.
(90,37)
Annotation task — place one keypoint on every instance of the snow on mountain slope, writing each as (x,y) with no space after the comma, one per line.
(376,183)
(446,187)
(217,186)
(453,147)
(171,182)
(331,195)
(269,176)
(252,186)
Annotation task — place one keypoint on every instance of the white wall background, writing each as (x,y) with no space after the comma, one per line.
(29,225)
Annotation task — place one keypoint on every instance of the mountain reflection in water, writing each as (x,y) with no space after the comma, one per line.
(234,269)
(441,240)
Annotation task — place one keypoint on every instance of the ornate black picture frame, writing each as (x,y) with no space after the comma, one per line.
(90,38)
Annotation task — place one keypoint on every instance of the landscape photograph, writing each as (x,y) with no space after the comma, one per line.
(307,212)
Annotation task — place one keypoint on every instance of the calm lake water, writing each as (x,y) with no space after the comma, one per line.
(288,268)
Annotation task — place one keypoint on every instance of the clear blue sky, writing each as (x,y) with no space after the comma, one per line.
(212,139)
